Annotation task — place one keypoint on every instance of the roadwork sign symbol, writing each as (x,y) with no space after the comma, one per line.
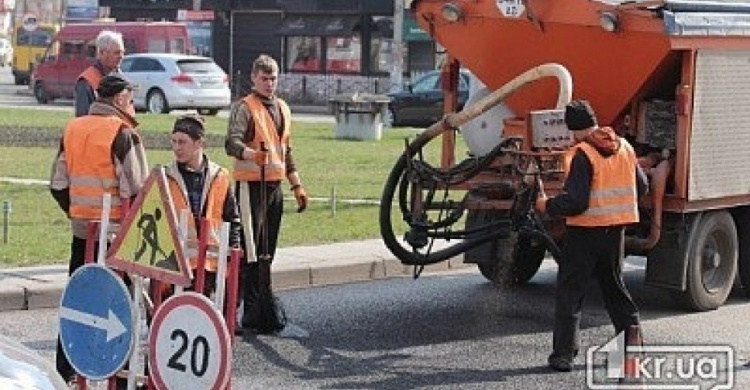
(148,243)
(96,316)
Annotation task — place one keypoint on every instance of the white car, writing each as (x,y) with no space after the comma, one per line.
(6,52)
(23,369)
(165,82)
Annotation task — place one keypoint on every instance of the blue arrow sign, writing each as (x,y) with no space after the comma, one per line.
(96,322)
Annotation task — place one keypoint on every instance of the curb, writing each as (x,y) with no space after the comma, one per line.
(300,267)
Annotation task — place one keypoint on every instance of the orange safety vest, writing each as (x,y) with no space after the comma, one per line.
(614,199)
(87,144)
(265,131)
(93,76)
(212,203)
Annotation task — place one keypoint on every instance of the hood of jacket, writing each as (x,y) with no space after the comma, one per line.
(102,108)
(604,140)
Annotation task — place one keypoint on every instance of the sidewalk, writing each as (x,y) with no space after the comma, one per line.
(294,267)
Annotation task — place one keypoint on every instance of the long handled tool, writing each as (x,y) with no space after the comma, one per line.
(271,316)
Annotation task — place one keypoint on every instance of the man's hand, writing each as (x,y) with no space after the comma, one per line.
(301,196)
(259,157)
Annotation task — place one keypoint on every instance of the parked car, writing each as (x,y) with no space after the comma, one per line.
(23,369)
(421,102)
(73,49)
(6,52)
(165,82)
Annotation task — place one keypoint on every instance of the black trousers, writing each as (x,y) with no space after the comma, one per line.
(597,253)
(77,259)
(274,212)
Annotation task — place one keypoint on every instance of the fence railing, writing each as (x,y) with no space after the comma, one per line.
(316,89)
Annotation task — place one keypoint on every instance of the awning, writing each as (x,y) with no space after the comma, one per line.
(317,25)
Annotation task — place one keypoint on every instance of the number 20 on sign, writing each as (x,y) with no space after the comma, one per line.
(189,344)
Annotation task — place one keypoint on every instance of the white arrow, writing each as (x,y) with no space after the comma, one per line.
(112,325)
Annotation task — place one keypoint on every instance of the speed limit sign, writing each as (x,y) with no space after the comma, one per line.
(189,344)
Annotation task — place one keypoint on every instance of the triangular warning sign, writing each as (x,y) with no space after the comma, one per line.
(148,242)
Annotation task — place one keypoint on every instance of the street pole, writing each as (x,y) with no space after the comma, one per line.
(397,69)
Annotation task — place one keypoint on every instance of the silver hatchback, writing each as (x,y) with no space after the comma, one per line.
(165,82)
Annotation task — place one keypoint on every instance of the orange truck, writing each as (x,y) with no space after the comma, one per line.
(73,49)
(669,75)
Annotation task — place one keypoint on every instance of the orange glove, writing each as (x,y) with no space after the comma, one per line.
(301,196)
(260,157)
(541,203)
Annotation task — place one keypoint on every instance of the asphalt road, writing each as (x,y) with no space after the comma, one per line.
(447,331)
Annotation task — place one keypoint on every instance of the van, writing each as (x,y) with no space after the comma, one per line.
(73,49)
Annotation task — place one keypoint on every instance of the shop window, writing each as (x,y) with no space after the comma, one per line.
(303,54)
(343,54)
(381,55)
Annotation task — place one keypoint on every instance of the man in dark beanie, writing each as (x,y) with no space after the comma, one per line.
(204,189)
(599,198)
(103,148)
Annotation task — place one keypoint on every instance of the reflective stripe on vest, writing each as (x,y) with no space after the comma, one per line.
(614,198)
(212,203)
(265,131)
(87,144)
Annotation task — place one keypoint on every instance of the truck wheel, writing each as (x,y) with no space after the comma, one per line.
(712,262)
(40,94)
(743,233)
(508,261)
(527,257)
(156,103)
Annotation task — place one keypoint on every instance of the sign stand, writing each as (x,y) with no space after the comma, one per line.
(215,320)
(135,362)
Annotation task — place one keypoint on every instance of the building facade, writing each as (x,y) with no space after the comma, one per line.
(324,47)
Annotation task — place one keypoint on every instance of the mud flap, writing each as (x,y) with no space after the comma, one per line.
(668,260)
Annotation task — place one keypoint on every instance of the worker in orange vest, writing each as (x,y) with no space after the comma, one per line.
(99,154)
(110,50)
(261,120)
(599,198)
(203,188)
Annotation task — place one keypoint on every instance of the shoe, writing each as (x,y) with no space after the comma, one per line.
(560,364)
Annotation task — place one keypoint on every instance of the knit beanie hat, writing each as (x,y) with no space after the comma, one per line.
(579,115)
(112,84)
(190,124)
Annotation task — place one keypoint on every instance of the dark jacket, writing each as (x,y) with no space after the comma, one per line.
(574,199)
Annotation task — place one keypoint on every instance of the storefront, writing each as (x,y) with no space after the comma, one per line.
(324,47)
